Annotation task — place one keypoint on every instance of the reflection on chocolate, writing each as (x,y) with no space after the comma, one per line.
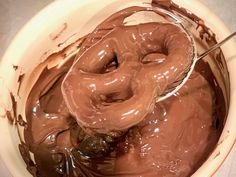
(107,83)
(96,114)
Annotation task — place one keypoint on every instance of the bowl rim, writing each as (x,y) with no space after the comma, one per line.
(228,144)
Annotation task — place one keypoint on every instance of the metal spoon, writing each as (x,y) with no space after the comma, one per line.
(184,80)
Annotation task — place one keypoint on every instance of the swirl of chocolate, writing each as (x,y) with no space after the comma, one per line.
(115,83)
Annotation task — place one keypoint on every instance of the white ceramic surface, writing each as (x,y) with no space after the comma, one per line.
(32,43)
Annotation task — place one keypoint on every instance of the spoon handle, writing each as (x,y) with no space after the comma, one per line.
(161,98)
(215,46)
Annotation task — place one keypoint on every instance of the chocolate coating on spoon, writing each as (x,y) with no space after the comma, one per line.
(105,97)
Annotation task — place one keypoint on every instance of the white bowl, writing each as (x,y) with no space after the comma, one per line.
(72,19)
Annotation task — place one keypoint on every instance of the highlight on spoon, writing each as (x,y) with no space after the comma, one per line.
(189,72)
(216,46)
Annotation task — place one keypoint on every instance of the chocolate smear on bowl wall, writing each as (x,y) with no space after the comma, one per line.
(69,137)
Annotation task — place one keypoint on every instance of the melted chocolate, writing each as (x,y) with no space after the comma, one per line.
(15,67)
(74,112)
(150,58)
(20,80)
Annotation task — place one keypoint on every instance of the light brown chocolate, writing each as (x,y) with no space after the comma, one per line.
(145,60)
(96,115)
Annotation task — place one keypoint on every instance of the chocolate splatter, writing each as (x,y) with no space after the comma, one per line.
(14,105)
(56,35)
(21,122)
(10,117)
(64,42)
(15,67)
(20,80)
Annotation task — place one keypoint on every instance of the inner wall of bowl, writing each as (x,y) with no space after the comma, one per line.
(62,28)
